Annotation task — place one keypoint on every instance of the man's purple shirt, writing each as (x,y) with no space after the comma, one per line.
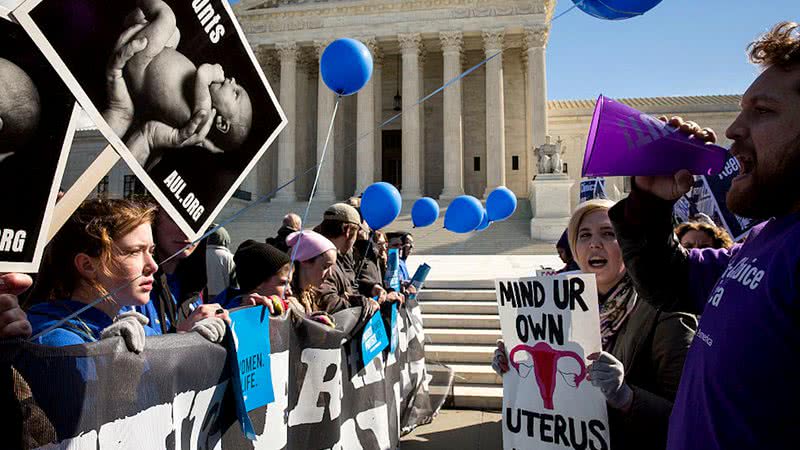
(738,388)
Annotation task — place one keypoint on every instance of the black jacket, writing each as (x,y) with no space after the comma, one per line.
(652,347)
(658,267)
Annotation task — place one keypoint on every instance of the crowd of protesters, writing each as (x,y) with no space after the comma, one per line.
(150,279)
(699,335)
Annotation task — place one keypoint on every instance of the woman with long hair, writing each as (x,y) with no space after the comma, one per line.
(105,250)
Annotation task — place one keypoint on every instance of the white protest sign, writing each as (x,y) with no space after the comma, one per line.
(550,324)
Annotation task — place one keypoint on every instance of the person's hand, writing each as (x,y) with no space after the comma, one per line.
(202,312)
(119,113)
(130,326)
(161,135)
(371,307)
(13,321)
(410,290)
(380,292)
(500,359)
(323,317)
(396,297)
(211,328)
(608,374)
(273,303)
(674,187)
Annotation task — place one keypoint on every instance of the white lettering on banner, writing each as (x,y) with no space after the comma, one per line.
(128,433)
(374,372)
(317,362)
(348,438)
(418,369)
(175,184)
(397,404)
(377,421)
(403,344)
(209,19)
(416,331)
(12,241)
(274,436)
(188,414)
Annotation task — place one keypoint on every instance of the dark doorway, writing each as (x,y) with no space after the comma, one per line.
(392,166)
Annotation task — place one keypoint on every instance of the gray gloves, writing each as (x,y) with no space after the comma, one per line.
(130,326)
(608,374)
(500,359)
(211,328)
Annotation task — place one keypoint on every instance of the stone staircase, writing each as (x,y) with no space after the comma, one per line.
(461,328)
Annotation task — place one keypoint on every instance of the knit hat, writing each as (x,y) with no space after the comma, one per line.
(311,245)
(257,262)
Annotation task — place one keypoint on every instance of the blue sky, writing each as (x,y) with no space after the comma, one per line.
(681,47)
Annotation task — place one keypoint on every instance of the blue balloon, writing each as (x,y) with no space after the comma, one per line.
(424,212)
(346,66)
(501,204)
(464,214)
(484,223)
(615,9)
(380,205)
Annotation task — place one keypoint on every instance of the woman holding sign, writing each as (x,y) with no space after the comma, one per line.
(643,348)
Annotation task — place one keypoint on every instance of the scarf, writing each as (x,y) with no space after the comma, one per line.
(619,304)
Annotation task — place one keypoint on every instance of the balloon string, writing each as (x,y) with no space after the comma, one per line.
(313,187)
(568,10)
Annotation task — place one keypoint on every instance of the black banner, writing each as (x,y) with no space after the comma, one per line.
(175,394)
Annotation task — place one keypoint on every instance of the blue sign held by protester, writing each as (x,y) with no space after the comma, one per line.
(419,277)
(394,331)
(392,277)
(250,364)
(373,339)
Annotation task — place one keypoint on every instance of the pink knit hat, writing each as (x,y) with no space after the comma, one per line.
(312,244)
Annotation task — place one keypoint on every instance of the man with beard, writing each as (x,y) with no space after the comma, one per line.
(736,386)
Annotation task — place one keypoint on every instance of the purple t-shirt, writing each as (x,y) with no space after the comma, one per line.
(739,388)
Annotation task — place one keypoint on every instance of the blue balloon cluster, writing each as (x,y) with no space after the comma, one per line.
(615,9)
(501,204)
(380,205)
(424,212)
(346,66)
(466,214)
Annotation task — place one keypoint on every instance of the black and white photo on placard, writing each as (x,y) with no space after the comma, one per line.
(173,85)
(37,117)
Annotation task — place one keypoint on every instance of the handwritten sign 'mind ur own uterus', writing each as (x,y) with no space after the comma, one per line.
(549,325)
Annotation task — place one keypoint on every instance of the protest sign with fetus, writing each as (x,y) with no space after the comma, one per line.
(191,111)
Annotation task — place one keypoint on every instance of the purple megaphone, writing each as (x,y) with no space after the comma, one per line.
(545,362)
(625,142)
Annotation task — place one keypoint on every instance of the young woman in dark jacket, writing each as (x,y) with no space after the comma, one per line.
(643,348)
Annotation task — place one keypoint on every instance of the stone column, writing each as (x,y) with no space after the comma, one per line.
(452,42)
(535,41)
(410,48)
(287,147)
(495,115)
(377,82)
(325,101)
(365,124)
